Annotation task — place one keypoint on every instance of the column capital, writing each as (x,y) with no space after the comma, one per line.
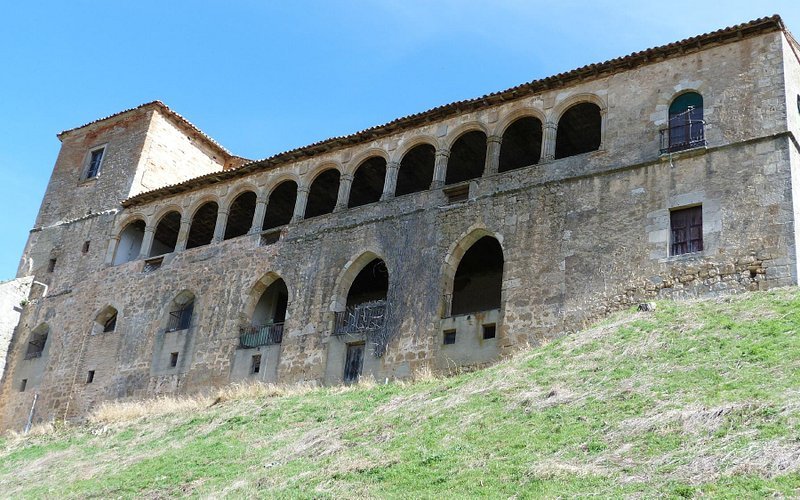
(303,189)
(551,125)
(346,178)
(497,139)
(443,152)
(393,165)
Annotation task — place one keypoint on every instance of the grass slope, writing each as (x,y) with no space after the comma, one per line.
(695,398)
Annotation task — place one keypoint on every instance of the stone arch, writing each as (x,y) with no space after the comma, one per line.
(240,213)
(416,169)
(203,225)
(562,107)
(347,276)
(279,179)
(120,224)
(323,192)
(455,254)
(165,235)
(180,311)
(369,178)
(129,242)
(356,161)
(522,135)
(105,321)
(413,142)
(579,130)
(462,129)
(226,202)
(509,118)
(467,156)
(257,290)
(280,204)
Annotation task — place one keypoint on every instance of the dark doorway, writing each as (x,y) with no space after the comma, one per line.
(166,235)
(203,224)
(280,206)
(323,194)
(478,281)
(416,170)
(522,144)
(240,217)
(368,182)
(353,363)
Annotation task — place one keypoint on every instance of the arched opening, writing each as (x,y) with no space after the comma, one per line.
(370,285)
(240,216)
(686,126)
(37,341)
(368,182)
(416,170)
(478,279)
(579,130)
(130,242)
(364,318)
(280,206)
(180,312)
(166,235)
(323,193)
(203,225)
(522,144)
(105,321)
(467,158)
(268,317)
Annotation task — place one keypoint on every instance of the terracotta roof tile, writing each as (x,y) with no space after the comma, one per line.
(590,71)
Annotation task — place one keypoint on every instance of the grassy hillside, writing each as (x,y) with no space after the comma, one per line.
(695,398)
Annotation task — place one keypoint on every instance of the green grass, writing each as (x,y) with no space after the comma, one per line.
(698,398)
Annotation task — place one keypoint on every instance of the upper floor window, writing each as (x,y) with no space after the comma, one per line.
(686,127)
(95,162)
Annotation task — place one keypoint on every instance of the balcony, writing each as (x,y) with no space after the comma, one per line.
(684,132)
(260,335)
(366,318)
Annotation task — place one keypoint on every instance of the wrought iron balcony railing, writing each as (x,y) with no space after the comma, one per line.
(366,318)
(683,132)
(259,335)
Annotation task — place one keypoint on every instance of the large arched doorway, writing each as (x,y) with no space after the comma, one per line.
(479,277)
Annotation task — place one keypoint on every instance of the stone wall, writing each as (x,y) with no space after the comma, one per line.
(581,236)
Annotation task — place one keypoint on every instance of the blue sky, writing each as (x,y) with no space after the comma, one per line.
(264,77)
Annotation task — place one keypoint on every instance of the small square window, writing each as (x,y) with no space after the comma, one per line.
(489,332)
(23,385)
(255,365)
(173,360)
(95,162)
(51,266)
(90,377)
(686,230)
(85,248)
(449,337)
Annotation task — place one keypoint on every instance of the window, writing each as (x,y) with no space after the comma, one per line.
(95,161)
(37,342)
(255,365)
(181,318)
(85,248)
(23,385)
(173,359)
(686,125)
(449,337)
(110,324)
(51,266)
(686,229)
(489,332)
(90,377)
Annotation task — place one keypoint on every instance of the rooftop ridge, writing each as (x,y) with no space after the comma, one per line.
(168,111)
(559,80)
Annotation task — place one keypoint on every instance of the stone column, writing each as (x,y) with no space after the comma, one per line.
(219,227)
(549,141)
(300,204)
(183,235)
(147,242)
(112,247)
(390,182)
(258,216)
(440,168)
(345,182)
(493,143)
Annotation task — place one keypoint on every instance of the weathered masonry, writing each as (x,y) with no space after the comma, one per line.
(162,263)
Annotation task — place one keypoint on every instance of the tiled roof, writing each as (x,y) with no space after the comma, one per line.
(168,112)
(560,80)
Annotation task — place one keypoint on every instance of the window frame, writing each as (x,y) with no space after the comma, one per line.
(87,163)
(690,247)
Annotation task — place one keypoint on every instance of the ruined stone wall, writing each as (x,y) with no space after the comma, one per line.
(581,236)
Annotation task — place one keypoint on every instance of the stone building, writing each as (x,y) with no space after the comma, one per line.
(162,263)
